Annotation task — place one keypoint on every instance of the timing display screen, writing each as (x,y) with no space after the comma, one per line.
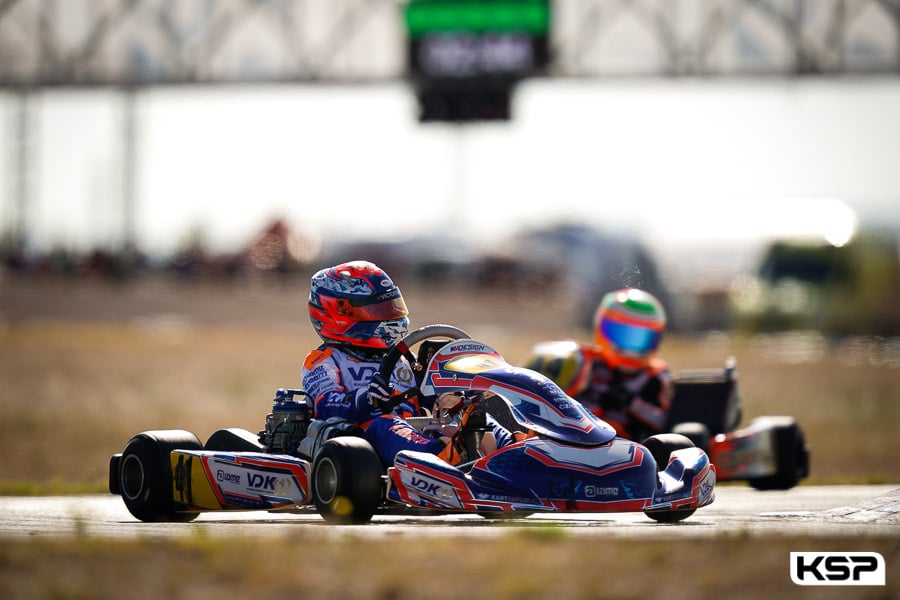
(464,57)
(473,38)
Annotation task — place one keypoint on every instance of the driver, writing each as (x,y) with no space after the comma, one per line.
(620,378)
(359,314)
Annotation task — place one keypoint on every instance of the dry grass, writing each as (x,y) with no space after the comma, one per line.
(541,565)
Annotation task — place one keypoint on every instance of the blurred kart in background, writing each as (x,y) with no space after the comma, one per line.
(770,452)
(566,460)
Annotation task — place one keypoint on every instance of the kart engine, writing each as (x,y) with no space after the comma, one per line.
(286,425)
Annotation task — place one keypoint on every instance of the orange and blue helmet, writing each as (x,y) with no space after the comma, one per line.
(628,328)
(356,304)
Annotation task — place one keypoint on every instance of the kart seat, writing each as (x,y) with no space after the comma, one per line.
(499,410)
(707,396)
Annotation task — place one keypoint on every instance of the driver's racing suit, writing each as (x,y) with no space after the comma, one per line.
(636,403)
(330,377)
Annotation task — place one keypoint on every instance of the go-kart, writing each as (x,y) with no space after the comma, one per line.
(567,459)
(769,452)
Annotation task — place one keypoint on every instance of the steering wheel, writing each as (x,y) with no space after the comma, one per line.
(403,348)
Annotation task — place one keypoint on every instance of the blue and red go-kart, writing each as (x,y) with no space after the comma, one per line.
(569,461)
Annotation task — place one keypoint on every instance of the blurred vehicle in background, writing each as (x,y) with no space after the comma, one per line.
(840,290)
(768,452)
(589,263)
(570,265)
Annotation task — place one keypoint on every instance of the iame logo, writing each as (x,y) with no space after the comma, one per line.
(226,476)
(592,491)
(837,568)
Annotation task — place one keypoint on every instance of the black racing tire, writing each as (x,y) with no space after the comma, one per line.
(503,515)
(145,475)
(347,484)
(792,456)
(233,440)
(661,447)
(698,433)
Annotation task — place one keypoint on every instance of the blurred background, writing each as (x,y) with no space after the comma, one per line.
(173,171)
(739,158)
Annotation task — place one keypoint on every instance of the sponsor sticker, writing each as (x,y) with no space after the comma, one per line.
(596,491)
(433,489)
(222,475)
(837,568)
(467,347)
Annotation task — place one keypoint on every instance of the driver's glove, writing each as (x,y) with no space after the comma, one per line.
(377,395)
(406,410)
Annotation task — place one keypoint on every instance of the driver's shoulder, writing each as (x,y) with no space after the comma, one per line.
(316,357)
(658,367)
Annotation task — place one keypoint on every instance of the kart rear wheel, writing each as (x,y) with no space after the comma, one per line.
(661,447)
(145,474)
(347,486)
(791,452)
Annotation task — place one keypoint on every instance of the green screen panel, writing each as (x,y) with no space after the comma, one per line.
(436,16)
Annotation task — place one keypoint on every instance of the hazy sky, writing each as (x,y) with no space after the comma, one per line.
(673,161)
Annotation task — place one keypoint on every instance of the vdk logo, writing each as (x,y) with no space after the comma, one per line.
(837,568)
(263,482)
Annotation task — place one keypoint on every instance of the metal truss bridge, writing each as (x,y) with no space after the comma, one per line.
(136,43)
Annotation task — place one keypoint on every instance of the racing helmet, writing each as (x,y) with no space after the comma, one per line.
(356,304)
(628,327)
(564,362)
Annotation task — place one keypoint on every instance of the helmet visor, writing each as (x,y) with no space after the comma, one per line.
(387,310)
(631,338)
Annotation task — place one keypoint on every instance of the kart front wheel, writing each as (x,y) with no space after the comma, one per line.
(145,474)
(661,447)
(347,486)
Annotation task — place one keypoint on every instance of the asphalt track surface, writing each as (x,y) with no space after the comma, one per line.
(870,510)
